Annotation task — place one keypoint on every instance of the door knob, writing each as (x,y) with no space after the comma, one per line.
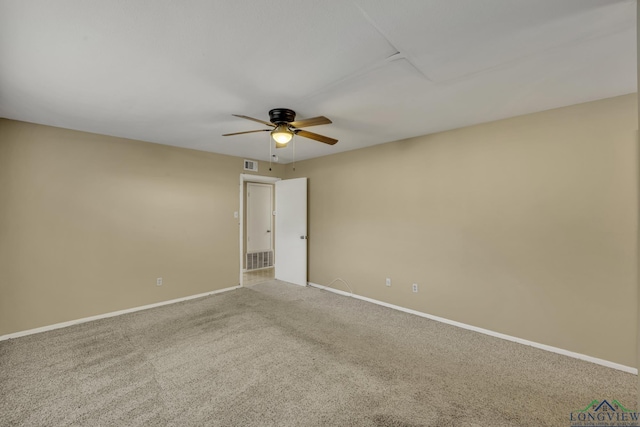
(303,237)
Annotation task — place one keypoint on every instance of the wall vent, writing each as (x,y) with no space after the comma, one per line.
(258,260)
(251,165)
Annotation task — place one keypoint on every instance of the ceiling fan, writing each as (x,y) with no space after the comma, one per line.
(284,125)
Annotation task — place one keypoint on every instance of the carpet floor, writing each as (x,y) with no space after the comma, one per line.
(280,354)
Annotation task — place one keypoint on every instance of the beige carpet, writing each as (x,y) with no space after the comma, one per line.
(279,354)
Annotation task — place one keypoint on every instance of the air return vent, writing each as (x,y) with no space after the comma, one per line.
(251,165)
(257,260)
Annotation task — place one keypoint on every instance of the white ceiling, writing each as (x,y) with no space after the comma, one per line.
(173,72)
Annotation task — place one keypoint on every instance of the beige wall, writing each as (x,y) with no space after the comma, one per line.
(525,226)
(88,222)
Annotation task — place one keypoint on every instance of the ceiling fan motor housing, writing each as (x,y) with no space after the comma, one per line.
(282,115)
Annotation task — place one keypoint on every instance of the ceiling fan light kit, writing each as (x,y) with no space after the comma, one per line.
(281,135)
(283,126)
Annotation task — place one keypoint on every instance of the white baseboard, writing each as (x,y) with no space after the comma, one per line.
(111,314)
(580,356)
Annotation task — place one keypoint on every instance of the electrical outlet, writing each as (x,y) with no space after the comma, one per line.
(388,282)
(415,287)
(159,281)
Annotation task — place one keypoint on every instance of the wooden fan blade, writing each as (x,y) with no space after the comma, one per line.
(255,120)
(315,136)
(314,121)
(247,131)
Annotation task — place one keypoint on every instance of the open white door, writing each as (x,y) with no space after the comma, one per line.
(291,231)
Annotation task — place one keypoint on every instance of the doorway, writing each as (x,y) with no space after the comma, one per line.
(288,232)
(259,254)
(257,234)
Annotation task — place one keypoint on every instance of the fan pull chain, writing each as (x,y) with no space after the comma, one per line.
(294,153)
(270,156)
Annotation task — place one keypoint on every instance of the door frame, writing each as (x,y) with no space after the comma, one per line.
(245,177)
